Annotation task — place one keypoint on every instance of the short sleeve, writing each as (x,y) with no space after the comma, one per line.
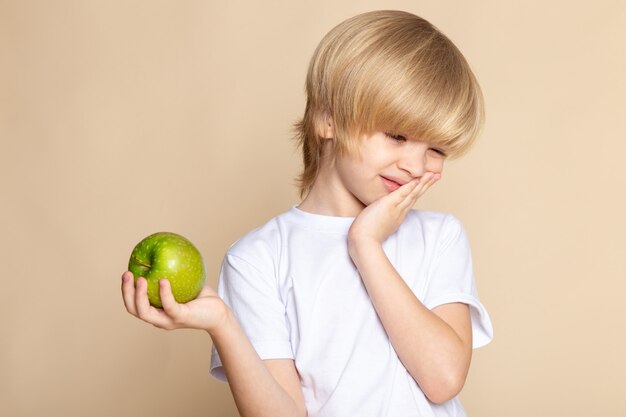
(254,298)
(451,279)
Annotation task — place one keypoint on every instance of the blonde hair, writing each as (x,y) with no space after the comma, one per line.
(388,71)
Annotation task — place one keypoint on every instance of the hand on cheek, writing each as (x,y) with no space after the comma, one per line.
(383,217)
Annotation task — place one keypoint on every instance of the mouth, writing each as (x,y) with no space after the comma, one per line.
(390,184)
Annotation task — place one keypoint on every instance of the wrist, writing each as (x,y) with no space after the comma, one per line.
(360,247)
(224,318)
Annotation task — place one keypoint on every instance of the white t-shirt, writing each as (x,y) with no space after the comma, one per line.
(297,294)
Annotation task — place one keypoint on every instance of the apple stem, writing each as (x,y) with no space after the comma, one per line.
(141,263)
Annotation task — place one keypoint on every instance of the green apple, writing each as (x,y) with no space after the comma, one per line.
(171,256)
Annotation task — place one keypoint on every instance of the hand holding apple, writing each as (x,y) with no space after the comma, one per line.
(171,256)
(205,312)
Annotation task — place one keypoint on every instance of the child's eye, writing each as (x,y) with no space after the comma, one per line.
(397,138)
(439,152)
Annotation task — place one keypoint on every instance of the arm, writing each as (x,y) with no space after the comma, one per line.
(260,388)
(434,346)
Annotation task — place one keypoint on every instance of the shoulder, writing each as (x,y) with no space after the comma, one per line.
(442,235)
(260,243)
(435,229)
(434,222)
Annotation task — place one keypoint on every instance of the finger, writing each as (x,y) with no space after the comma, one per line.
(144,310)
(170,306)
(405,190)
(424,183)
(128,292)
(142,304)
(428,182)
(419,185)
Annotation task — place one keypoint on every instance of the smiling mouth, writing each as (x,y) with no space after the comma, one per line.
(391,185)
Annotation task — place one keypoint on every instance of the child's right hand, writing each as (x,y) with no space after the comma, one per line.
(381,218)
(206,312)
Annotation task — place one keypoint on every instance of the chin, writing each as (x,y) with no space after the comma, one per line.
(367,201)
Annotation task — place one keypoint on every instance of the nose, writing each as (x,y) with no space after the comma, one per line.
(413,161)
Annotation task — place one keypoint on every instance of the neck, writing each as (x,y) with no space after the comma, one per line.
(328,196)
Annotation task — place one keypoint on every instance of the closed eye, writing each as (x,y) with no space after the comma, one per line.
(397,138)
(439,152)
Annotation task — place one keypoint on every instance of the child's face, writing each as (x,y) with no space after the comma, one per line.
(382,164)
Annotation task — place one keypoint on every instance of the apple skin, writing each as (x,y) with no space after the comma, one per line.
(171,256)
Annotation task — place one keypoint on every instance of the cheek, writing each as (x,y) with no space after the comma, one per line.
(434,165)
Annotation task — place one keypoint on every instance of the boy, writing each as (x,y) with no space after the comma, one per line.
(351,303)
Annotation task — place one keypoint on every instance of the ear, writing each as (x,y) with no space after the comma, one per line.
(325,127)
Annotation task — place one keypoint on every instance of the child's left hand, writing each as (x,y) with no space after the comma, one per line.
(383,217)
